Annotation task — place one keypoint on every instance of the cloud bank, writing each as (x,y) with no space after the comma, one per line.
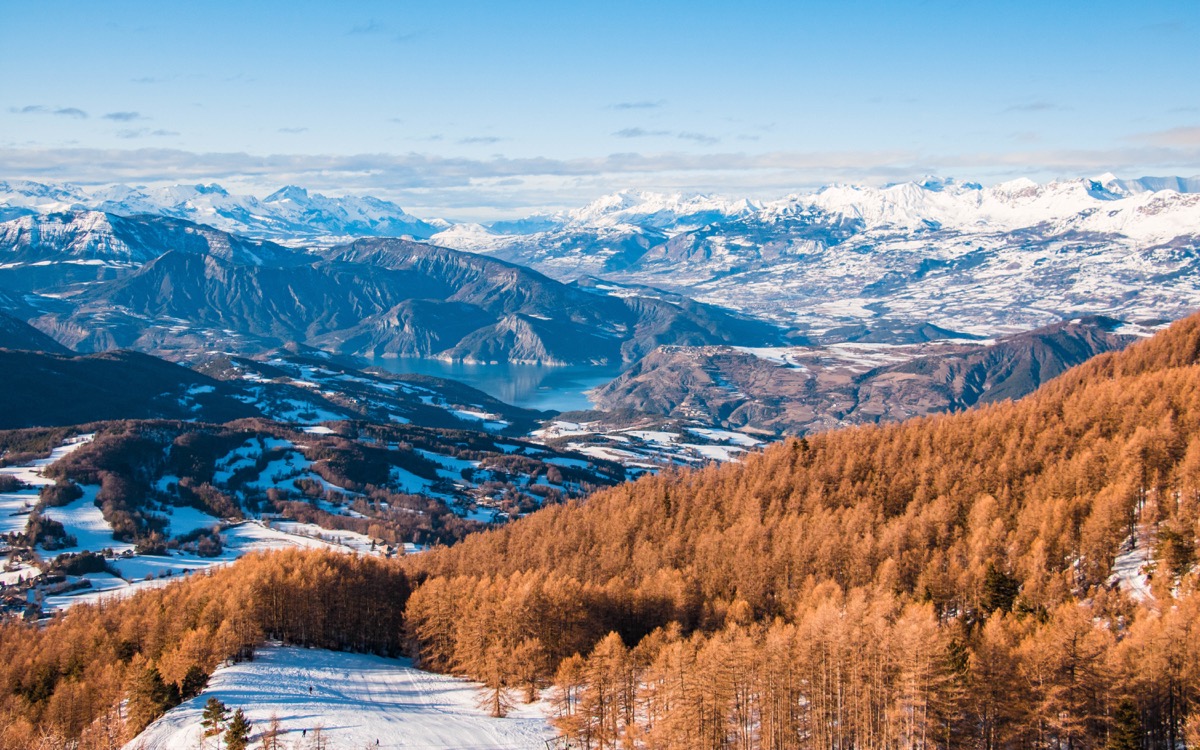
(485,187)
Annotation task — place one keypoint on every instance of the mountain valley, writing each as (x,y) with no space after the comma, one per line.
(818,402)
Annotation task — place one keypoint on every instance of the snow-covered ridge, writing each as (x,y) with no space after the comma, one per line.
(675,211)
(289,212)
(1147,208)
(1088,205)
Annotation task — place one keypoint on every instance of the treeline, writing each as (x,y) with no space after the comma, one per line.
(98,675)
(987,539)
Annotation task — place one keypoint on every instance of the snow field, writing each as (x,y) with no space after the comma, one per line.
(84,521)
(31,473)
(357,699)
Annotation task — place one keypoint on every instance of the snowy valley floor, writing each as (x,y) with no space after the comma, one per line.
(357,699)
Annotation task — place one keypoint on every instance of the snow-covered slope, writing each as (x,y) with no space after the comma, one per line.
(358,701)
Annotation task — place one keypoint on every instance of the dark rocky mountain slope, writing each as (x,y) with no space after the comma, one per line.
(809,389)
(165,285)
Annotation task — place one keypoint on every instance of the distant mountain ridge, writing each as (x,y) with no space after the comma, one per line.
(982,260)
(803,390)
(985,260)
(97,281)
(293,211)
(289,213)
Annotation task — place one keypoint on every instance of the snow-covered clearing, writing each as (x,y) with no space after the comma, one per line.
(489,422)
(151,571)
(723,453)
(405,481)
(14,510)
(15,572)
(726,436)
(185,519)
(31,473)
(1128,567)
(84,521)
(357,699)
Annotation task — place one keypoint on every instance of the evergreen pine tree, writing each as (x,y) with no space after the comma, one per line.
(237,734)
(193,682)
(1127,728)
(214,717)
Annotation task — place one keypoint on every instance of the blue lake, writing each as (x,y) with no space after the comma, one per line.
(530,386)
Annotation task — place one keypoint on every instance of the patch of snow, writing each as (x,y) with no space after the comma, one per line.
(15,573)
(1128,570)
(406,481)
(185,519)
(84,521)
(721,453)
(31,473)
(725,436)
(14,510)
(573,463)
(654,436)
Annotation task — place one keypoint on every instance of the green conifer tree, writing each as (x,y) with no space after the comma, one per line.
(237,734)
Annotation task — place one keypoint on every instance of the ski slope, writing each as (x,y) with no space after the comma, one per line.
(357,699)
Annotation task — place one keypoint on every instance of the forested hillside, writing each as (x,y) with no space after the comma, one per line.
(947,581)
(1017,576)
(97,676)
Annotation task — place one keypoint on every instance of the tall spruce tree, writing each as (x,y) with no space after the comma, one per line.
(237,734)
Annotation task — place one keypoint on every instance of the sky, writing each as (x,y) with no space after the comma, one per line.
(478,110)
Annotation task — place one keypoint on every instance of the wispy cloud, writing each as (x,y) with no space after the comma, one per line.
(371,26)
(645,104)
(640,133)
(123,116)
(1040,105)
(375,27)
(480,140)
(1184,137)
(40,109)
(476,187)
(145,133)
(293,131)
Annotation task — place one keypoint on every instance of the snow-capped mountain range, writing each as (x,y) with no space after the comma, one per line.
(986,260)
(908,205)
(289,213)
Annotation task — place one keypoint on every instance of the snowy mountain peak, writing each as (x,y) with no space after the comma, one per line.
(288,193)
(667,211)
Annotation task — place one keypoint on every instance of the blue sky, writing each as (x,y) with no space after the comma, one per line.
(484,109)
